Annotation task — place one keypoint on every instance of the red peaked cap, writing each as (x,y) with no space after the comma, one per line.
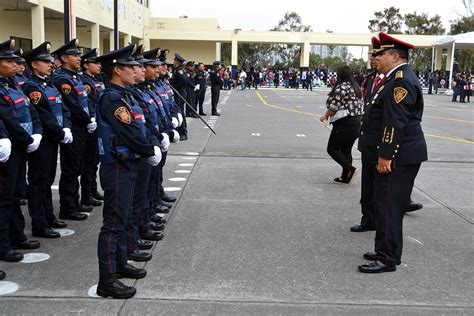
(375,45)
(387,42)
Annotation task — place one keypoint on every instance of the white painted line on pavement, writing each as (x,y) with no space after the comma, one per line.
(415,240)
(186,164)
(172,189)
(256,134)
(189,158)
(182,171)
(192,154)
(92,292)
(300,135)
(177,179)
(64,232)
(34,257)
(248,105)
(55,187)
(8,287)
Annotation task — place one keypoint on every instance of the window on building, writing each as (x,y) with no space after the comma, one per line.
(24,43)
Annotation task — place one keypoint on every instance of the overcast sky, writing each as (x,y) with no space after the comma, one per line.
(344,16)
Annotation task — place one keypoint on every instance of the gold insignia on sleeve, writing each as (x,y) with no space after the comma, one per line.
(388,135)
(399,74)
(123,115)
(35,97)
(399,94)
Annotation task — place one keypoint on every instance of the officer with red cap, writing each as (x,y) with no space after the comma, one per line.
(392,128)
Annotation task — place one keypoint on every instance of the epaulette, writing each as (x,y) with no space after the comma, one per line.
(399,74)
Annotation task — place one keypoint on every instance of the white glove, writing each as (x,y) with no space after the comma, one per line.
(165,143)
(92,125)
(197,87)
(35,144)
(175,122)
(5,149)
(175,137)
(67,136)
(180,119)
(155,160)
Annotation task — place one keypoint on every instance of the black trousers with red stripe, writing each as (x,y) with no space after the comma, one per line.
(392,196)
(139,213)
(41,174)
(89,167)
(118,182)
(12,222)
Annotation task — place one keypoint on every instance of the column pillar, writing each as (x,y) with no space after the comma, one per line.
(218,51)
(438,58)
(111,40)
(37,22)
(448,58)
(95,36)
(234,55)
(304,57)
(73,27)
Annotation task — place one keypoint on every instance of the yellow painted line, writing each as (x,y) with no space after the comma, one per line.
(282,108)
(314,115)
(448,119)
(450,138)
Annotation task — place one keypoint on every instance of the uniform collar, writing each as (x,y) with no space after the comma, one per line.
(391,71)
(5,80)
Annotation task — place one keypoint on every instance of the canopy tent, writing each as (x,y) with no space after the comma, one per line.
(465,40)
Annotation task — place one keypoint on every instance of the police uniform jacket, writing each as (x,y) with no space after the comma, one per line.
(16,133)
(216,80)
(391,124)
(179,80)
(35,89)
(94,88)
(367,85)
(201,79)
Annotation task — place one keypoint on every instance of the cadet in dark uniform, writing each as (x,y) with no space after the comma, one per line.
(20,78)
(94,88)
(5,151)
(392,123)
(24,131)
(180,83)
(216,84)
(190,75)
(56,122)
(368,156)
(201,84)
(74,95)
(122,142)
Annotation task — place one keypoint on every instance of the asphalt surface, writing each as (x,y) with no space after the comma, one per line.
(260,228)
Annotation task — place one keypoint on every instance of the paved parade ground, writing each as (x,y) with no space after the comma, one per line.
(260,227)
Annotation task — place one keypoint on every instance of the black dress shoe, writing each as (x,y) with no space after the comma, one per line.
(168,205)
(45,233)
(202,114)
(361,228)
(91,202)
(11,256)
(96,195)
(371,256)
(169,199)
(144,244)
(414,207)
(162,209)
(57,224)
(156,226)
(84,208)
(151,235)
(183,137)
(110,286)
(27,244)
(23,202)
(215,114)
(130,272)
(139,256)
(157,219)
(75,216)
(2,275)
(376,266)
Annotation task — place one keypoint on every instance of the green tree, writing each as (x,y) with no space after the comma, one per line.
(289,54)
(389,21)
(465,57)
(315,60)
(422,24)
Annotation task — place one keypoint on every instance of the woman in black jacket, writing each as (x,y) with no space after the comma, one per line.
(344,110)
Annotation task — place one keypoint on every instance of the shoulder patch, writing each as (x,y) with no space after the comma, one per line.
(88,88)
(399,94)
(180,72)
(66,89)
(35,97)
(399,74)
(123,115)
